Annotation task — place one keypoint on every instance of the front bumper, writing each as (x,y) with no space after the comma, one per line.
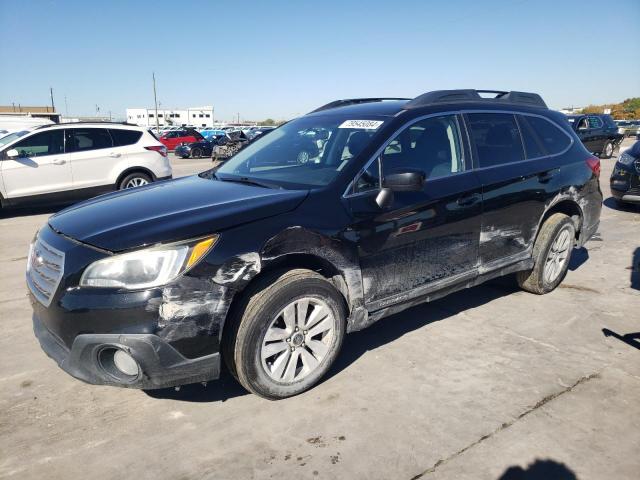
(160,365)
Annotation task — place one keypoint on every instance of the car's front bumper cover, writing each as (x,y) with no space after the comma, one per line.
(160,365)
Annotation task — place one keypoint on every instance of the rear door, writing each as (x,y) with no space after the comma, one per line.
(42,168)
(93,157)
(513,187)
(597,133)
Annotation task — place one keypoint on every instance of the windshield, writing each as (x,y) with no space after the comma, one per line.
(11,137)
(307,152)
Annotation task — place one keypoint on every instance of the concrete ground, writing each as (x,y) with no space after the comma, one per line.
(484,384)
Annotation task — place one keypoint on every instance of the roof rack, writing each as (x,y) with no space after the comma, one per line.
(456,96)
(96,122)
(354,101)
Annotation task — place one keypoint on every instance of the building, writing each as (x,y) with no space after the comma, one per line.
(194,116)
(47,113)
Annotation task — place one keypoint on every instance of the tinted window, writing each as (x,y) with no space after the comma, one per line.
(608,120)
(83,139)
(41,144)
(125,137)
(532,145)
(432,146)
(496,138)
(552,138)
(595,122)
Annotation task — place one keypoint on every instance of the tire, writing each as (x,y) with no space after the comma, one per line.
(246,346)
(196,153)
(557,231)
(136,179)
(608,149)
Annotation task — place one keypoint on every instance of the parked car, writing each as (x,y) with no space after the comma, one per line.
(174,138)
(628,128)
(200,149)
(257,131)
(63,163)
(228,145)
(267,263)
(625,178)
(213,133)
(598,133)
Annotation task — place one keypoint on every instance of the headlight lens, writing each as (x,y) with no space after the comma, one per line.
(626,159)
(146,268)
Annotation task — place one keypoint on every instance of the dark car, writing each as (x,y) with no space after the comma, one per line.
(625,178)
(267,262)
(599,133)
(203,148)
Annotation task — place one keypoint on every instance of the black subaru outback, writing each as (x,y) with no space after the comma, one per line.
(267,261)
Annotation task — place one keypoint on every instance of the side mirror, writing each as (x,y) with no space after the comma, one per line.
(13,153)
(405,181)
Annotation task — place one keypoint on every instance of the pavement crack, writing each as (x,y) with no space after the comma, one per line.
(506,425)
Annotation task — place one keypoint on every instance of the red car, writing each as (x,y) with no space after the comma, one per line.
(174,138)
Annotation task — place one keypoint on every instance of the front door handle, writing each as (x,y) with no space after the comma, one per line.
(59,161)
(468,200)
(114,155)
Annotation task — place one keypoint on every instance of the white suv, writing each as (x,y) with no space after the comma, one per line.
(69,162)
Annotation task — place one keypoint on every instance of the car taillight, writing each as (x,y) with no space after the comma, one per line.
(594,165)
(161,149)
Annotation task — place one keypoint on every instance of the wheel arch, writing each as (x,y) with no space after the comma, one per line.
(136,169)
(569,207)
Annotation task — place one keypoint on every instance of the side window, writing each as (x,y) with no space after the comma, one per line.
(552,138)
(124,137)
(583,124)
(432,145)
(496,138)
(83,139)
(595,122)
(41,144)
(532,145)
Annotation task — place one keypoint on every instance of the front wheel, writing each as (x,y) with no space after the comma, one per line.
(551,253)
(607,151)
(196,153)
(286,334)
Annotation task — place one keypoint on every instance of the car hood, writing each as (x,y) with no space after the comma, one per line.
(170,211)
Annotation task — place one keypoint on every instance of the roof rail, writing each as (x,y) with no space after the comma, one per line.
(456,96)
(354,101)
(96,122)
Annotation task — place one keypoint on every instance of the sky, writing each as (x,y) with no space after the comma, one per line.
(280,59)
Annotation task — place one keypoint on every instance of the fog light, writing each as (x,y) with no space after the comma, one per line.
(125,363)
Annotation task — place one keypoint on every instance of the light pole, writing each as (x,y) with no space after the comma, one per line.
(155,99)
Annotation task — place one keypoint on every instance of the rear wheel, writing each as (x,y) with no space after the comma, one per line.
(286,334)
(551,253)
(196,153)
(607,151)
(133,180)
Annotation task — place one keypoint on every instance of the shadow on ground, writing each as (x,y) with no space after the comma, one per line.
(635,269)
(631,339)
(540,470)
(613,204)
(578,257)
(26,212)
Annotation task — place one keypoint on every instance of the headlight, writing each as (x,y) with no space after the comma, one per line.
(626,159)
(146,268)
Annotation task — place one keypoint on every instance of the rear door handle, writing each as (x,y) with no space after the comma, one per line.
(468,200)
(114,155)
(544,177)
(59,161)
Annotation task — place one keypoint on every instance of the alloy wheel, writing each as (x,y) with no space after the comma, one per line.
(136,182)
(297,340)
(557,256)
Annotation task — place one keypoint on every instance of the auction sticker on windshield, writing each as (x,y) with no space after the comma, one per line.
(362,124)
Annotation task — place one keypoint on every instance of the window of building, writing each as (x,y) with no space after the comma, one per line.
(208,115)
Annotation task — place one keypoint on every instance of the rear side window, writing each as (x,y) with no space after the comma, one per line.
(595,122)
(551,137)
(496,138)
(532,145)
(83,139)
(124,137)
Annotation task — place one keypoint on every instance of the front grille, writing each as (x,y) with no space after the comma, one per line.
(45,267)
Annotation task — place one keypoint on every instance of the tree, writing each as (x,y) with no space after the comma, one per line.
(268,122)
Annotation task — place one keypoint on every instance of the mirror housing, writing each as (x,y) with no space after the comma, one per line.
(405,181)
(13,153)
(384,197)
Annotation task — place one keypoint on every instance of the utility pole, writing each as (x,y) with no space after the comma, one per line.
(53,107)
(66,107)
(155,100)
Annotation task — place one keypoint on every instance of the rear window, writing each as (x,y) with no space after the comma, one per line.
(496,138)
(551,137)
(124,137)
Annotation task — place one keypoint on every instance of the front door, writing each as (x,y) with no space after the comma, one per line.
(42,169)
(424,238)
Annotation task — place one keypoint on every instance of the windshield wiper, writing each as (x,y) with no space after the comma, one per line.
(247,181)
